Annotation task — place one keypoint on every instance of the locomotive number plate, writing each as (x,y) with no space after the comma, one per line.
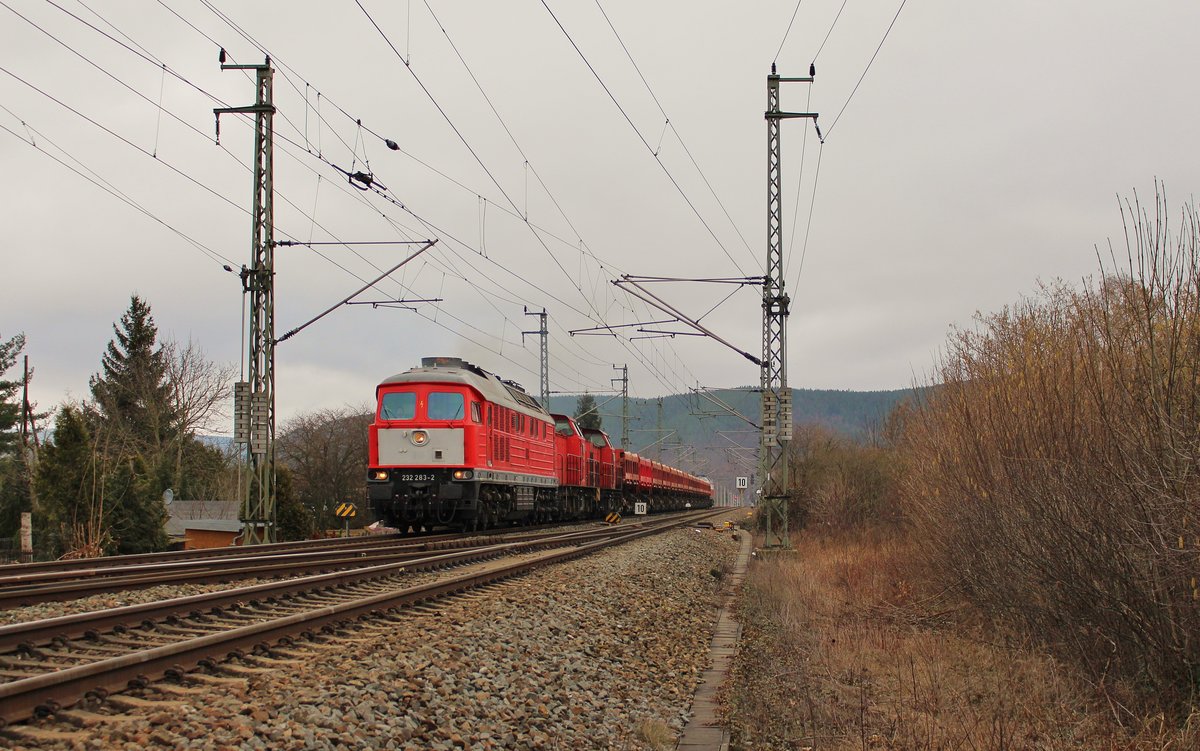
(416,478)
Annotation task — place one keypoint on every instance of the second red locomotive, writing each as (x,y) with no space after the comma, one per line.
(454,445)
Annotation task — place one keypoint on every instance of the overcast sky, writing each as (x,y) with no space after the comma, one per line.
(984,151)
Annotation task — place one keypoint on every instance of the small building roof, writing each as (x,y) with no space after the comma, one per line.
(204,509)
(213,516)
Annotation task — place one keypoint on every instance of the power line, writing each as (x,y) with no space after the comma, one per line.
(104,70)
(864,73)
(129,201)
(436,104)
(95,179)
(144,56)
(808,225)
(827,33)
(529,166)
(445,234)
(130,143)
(391,144)
(671,125)
(125,140)
(642,138)
(429,94)
(149,58)
(786,32)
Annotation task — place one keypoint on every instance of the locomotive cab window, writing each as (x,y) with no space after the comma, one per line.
(562,427)
(398,405)
(445,405)
(475,415)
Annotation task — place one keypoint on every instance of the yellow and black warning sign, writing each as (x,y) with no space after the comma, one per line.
(346,511)
(613,518)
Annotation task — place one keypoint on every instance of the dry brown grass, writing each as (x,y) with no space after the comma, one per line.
(656,734)
(840,651)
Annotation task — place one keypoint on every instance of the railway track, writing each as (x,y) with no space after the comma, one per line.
(9,569)
(51,664)
(49,586)
(29,584)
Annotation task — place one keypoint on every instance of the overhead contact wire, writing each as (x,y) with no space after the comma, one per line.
(642,138)
(457,132)
(671,125)
(865,70)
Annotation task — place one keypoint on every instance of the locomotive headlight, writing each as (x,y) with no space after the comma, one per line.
(462,474)
(379,474)
(419,437)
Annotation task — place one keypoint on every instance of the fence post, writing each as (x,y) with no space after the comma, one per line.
(26,537)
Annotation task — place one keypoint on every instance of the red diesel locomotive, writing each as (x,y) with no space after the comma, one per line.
(454,445)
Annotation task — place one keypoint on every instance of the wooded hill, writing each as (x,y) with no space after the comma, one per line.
(699,420)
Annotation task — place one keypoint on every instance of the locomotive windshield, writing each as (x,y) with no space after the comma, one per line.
(445,405)
(398,405)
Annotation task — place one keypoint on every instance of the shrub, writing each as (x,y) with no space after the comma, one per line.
(841,484)
(1052,476)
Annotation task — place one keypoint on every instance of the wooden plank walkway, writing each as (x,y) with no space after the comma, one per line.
(704,731)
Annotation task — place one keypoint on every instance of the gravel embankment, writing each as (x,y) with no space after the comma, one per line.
(603,652)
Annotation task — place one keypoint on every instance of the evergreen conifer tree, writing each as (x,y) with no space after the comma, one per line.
(138,517)
(294,520)
(131,392)
(135,427)
(10,398)
(14,487)
(69,489)
(587,414)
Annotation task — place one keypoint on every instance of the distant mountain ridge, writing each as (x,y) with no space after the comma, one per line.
(850,413)
(723,443)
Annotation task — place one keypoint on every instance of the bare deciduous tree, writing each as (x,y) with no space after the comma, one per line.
(199,391)
(326,452)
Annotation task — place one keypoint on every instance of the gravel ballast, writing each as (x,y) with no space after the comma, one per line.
(602,652)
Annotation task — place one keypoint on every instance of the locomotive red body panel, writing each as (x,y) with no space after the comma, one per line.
(573,452)
(605,457)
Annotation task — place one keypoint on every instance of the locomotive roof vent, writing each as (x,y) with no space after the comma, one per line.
(453,362)
(442,362)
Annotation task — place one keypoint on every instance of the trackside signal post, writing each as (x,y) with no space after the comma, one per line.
(776,421)
(254,398)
